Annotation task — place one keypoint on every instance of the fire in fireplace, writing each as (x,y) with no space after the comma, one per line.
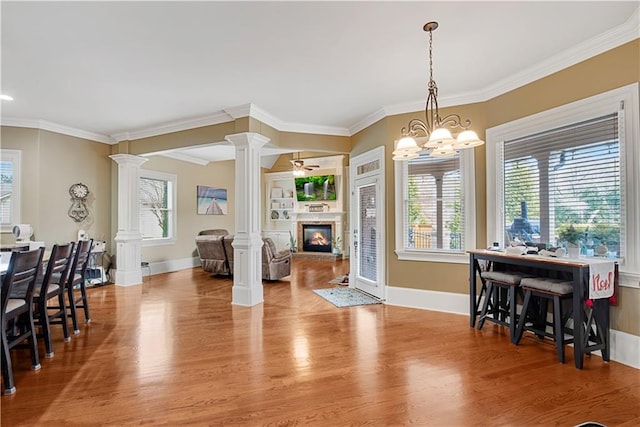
(316,237)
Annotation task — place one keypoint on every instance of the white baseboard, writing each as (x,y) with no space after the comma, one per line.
(173,265)
(625,348)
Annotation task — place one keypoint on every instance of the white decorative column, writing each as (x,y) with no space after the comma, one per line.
(128,238)
(247,243)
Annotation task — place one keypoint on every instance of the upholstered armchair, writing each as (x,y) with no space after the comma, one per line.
(214,232)
(212,254)
(228,248)
(275,265)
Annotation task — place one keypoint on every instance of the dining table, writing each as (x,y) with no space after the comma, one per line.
(590,314)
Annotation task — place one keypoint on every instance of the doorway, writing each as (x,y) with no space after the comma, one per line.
(367,268)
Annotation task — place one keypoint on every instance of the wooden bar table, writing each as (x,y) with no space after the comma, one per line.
(586,340)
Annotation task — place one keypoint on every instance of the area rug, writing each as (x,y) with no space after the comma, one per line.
(346,297)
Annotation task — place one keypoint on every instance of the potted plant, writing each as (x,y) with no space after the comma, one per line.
(335,244)
(293,246)
(572,237)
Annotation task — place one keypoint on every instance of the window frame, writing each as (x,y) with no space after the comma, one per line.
(585,109)
(15,157)
(172,199)
(468,200)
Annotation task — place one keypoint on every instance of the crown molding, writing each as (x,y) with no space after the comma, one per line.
(367,121)
(255,112)
(622,34)
(594,46)
(57,128)
(184,158)
(176,126)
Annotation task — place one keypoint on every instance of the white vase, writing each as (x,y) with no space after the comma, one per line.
(573,251)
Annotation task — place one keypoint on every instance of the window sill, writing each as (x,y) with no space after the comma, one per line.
(158,242)
(448,257)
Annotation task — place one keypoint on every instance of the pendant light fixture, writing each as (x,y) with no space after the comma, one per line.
(433,135)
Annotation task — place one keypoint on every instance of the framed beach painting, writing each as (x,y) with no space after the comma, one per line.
(211,200)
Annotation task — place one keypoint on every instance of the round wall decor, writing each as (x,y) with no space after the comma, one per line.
(78,210)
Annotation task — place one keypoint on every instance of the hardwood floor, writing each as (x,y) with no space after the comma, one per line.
(174,351)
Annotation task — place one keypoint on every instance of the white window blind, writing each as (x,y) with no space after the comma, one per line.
(10,162)
(368,255)
(433,210)
(569,176)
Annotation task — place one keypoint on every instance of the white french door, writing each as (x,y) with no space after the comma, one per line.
(367,207)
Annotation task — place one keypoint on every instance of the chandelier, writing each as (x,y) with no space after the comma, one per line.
(433,134)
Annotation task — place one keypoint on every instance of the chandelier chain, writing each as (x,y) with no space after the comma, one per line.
(430,56)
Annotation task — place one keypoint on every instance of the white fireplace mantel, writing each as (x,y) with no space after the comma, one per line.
(337,216)
(334,217)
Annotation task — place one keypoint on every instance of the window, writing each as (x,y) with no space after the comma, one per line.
(573,167)
(157,196)
(435,208)
(566,177)
(9,189)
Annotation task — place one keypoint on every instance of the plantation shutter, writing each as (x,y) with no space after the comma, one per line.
(566,176)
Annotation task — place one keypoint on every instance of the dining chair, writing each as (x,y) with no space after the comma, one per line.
(52,286)
(76,282)
(17,312)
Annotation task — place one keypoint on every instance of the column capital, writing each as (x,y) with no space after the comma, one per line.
(247,139)
(128,159)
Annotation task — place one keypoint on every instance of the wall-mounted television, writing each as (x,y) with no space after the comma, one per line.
(316,188)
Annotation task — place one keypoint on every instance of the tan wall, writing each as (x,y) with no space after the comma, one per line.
(218,174)
(51,163)
(610,70)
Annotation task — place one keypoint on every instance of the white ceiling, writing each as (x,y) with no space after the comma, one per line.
(116,70)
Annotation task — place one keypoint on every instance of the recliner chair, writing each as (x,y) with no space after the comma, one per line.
(212,254)
(275,264)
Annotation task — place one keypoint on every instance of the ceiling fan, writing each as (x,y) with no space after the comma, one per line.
(299,167)
(299,164)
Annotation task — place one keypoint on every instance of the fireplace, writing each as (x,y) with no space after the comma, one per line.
(316,237)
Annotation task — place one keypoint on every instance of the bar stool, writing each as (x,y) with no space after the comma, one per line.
(500,300)
(547,289)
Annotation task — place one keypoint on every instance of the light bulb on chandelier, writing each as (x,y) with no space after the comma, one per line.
(440,142)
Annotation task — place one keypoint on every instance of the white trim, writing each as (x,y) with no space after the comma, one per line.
(585,109)
(377,176)
(432,256)
(609,40)
(253,111)
(174,126)
(181,156)
(575,54)
(625,348)
(172,265)
(447,302)
(467,176)
(588,49)
(173,179)
(57,128)
(15,157)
